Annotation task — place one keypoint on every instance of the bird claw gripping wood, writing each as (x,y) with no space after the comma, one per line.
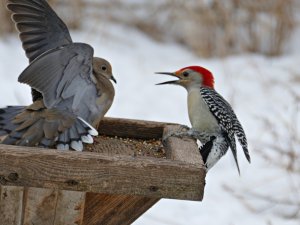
(184,131)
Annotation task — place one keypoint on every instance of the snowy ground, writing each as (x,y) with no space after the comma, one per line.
(256,86)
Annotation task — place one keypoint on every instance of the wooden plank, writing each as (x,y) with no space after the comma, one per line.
(94,172)
(183,149)
(186,150)
(115,209)
(39,206)
(131,128)
(11,201)
(69,208)
(52,207)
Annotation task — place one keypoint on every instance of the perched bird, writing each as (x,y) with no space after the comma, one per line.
(213,121)
(71,89)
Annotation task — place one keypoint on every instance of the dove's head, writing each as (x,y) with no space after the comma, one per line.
(102,67)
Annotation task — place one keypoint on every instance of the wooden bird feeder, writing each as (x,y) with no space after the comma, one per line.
(114,181)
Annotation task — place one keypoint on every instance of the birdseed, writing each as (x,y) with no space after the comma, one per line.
(127,146)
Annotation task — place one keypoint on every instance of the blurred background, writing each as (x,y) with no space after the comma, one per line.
(252,47)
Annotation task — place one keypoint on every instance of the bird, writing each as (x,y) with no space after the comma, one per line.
(71,88)
(214,123)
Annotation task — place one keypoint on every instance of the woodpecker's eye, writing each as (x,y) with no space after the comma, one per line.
(104,68)
(185,74)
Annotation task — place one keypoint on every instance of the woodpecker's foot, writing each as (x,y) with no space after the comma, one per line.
(184,132)
(184,128)
(180,133)
(195,134)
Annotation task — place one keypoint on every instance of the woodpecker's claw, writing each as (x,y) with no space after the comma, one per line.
(184,128)
(184,131)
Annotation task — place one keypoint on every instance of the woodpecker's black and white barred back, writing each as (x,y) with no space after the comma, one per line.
(227,120)
(226,116)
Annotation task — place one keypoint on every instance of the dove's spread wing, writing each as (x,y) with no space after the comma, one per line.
(62,74)
(39,26)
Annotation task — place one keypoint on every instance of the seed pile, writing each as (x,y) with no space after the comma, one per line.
(127,146)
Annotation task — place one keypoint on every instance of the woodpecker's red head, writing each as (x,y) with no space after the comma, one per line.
(191,76)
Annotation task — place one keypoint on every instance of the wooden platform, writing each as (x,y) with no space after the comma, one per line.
(111,185)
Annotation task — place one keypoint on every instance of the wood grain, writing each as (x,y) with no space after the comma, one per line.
(52,207)
(115,209)
(94,172)
(69,208)
(11,202)
(131,128)
(186,150)
(39,206)
(183,149)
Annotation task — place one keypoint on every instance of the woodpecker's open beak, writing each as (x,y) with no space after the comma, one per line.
(113,79)
(169,82)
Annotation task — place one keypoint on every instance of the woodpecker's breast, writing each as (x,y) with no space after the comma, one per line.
(199,114)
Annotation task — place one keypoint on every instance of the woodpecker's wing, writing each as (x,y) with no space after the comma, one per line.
(63,76)
(227,119)
(39,26)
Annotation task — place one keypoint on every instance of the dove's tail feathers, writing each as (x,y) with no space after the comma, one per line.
(38,126)
(6,116)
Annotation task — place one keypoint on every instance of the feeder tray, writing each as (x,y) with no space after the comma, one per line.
(114,181)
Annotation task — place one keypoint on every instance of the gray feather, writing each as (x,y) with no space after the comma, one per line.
(53,72)
(40,27)
(73,135)
(9,140)
(64,138)
(6,117)
(46,142)
(81,130)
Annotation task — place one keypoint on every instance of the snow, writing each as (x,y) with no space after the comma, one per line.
(257,87)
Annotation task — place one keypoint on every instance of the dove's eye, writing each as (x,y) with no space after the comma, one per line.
(104,68)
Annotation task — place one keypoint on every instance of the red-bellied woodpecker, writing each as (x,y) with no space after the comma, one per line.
(213,121)
(71,89)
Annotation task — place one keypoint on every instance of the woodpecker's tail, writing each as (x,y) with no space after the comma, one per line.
(232,144)
(36,125)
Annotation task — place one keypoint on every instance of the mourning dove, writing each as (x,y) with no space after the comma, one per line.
(71,89)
